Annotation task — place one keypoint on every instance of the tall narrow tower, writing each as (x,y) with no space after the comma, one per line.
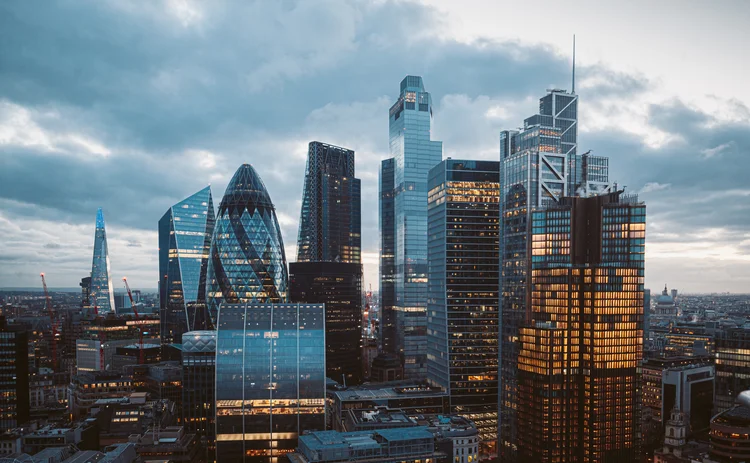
(414,154)
(101,284)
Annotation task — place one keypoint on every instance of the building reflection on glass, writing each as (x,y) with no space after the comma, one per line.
(270,378)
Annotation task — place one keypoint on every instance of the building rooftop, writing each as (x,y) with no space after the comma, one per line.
(375,392)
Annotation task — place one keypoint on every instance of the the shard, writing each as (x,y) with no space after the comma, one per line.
(247,262)
(185,233)
(101,283)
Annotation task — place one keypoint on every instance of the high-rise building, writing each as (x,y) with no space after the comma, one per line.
(729,432)
(339,286)
(330,219)
(247,262)
(329,268)
(198,383)
(462,305)
(101,283)
(270,378)
(14,376)
(185,233)
(414,154)
(387,258)
(732,365)
(581,346)
(85,285)
(539,165)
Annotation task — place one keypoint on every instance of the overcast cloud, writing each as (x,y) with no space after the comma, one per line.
(132,106)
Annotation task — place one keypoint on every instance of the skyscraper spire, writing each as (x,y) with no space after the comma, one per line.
(101,284)
(573,89)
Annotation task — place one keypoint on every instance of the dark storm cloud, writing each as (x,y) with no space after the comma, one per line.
(138,106)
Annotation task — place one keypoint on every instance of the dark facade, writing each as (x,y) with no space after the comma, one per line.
(270,379)
(14,376)
(85,285)
(198,383)
(330,219)
(247,262)
(730,435)
(339,286)
(387,262)
(732,365)
(578,379)
(185,233)
(462,307)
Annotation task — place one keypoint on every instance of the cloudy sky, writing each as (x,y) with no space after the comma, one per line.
(134,105)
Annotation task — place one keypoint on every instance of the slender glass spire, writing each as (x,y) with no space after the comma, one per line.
(101,284)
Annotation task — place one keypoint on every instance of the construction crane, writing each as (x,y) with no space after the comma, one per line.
(53,323)
(137,319)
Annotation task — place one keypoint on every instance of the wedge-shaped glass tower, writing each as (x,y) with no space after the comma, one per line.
(101,283)
(185,233)
(247,261)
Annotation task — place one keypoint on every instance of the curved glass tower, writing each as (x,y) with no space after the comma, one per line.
(101,284)
(247,261)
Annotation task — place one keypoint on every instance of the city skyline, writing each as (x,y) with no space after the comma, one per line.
(76,129)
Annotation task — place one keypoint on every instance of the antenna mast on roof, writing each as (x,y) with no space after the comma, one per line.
(573,89)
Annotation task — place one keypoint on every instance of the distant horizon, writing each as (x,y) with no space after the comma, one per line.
(156,291)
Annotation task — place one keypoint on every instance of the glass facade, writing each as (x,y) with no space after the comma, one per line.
(578,381)
(414,154)
(330,219)
(339,286)
(198,377)
(185,233)
(732,365)
(270,379)
(539,165)
(387,262)
(14,377)
(101,283)
(462,305)
(247,262)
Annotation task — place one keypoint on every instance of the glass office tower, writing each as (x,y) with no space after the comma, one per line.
(339,286)
(330,219)
(270,379)
(539,165)
(247,262)
(101,282)
(185,233)
(414,154)
(329,268)
(462,304)
(387,262)
(581,347)
(198,386)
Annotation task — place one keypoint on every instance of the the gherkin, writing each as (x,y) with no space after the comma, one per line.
(247,261)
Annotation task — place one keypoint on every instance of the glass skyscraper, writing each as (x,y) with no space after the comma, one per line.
(330,219)
(101,283)
(339,286)
(539,165)
(414,154)
(578,385)
(247,262)
(185,233)
(387,262)
(329,268)
(198,386)
(462,305)
(270,379)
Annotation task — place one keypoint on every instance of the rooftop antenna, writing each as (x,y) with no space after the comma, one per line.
(573,90)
